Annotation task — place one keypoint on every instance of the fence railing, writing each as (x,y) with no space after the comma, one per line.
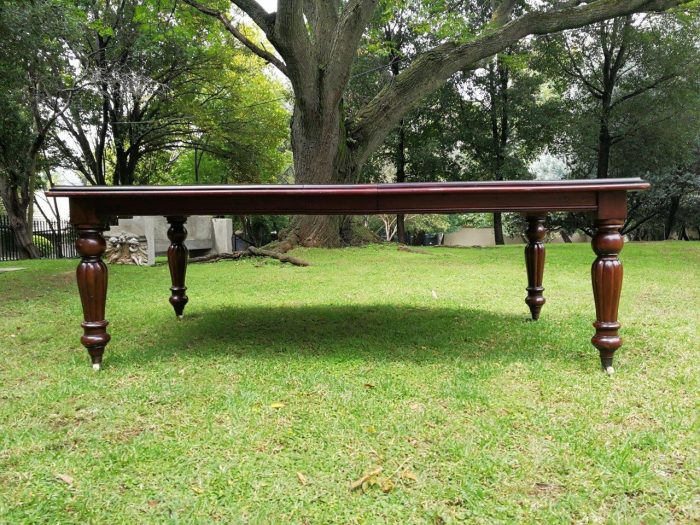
(54,240)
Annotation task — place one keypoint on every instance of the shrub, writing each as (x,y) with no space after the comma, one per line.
(45,246)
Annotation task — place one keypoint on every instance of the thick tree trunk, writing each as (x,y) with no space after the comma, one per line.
(322,155)
(17,206)
(21,227)
(23,237)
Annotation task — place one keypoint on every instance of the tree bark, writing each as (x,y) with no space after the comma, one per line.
(17,202)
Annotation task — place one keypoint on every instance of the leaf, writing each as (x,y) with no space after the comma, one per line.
(369,385)
(409,474)
(278,405)
(364,479)
(65,478)
(371,429)
(387,485)
(302,479)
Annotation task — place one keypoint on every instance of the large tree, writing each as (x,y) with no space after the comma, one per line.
(632,87)
(34,93)
(146,67)
(316,41)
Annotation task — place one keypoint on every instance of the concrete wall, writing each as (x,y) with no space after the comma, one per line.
(484,237)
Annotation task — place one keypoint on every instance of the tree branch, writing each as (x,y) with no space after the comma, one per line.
(345,40)
(238,35)
(431,69)
(264,20)
(291,39)
(644,89)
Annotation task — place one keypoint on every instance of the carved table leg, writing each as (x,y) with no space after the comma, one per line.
(177,261)
(534,261)
(606,274)
(92,283)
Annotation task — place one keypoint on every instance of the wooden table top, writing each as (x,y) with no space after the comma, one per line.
(629,184)
(358,199)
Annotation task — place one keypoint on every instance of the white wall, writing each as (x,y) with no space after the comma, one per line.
(484,237)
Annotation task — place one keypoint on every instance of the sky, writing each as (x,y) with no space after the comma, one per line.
(269,5)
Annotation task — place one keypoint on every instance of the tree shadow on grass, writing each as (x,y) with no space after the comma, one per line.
(354,332)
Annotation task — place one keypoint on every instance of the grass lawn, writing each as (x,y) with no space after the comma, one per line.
(284,385)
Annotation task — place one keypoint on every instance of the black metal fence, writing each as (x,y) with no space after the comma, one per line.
(55,240)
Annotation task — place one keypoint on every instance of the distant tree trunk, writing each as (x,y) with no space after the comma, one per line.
(17,202)
(500,129)
(401,177)
(671,218)
(604,139)
(613,61)
(401,143)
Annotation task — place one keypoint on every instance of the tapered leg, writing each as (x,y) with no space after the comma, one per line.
(177,261)
(606,274)
(92,283)
(534,261)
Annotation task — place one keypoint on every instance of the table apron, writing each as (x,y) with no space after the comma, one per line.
(86,209)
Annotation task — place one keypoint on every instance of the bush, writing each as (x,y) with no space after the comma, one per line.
(45,246)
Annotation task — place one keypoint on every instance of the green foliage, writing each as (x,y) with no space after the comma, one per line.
(174,84)
(34,42)
(428,223)
(260,230)
(652,114)
(45,246)
(469,220)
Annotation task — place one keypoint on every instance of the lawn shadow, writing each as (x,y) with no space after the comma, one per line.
(351,332)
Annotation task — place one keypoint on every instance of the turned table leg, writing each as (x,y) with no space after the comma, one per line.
(177,261)
(606,274)
(534,261)
(92,283)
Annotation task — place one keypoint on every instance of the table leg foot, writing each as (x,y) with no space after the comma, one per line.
(177,262)
(534,262)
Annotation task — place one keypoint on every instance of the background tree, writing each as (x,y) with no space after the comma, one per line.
(34,92)
(315,44)
(632,90)
(146,65)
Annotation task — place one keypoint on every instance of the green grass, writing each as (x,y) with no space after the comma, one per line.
(473,413)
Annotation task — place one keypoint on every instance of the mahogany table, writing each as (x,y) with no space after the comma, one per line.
(606,199)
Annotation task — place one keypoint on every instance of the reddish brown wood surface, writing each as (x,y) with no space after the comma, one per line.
(177,262)
(92,284)
(606,274)
(606,199)
(89,204)
(534,262)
